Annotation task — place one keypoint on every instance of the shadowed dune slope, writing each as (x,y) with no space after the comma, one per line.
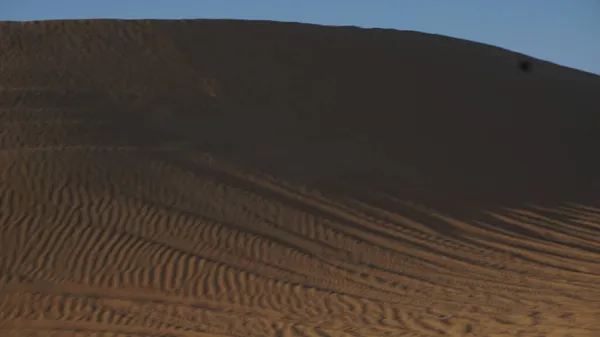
(249,178)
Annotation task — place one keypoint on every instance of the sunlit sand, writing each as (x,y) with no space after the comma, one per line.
(233,178)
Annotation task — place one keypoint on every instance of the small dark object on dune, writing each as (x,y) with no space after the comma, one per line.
(525,66)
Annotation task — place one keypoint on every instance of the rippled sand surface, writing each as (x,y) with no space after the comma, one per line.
(238,178)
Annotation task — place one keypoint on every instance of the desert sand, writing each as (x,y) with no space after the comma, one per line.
(240,178)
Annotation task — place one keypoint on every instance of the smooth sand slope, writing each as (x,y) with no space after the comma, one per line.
(230,178)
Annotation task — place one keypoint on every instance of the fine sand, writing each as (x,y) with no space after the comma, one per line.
(237,178)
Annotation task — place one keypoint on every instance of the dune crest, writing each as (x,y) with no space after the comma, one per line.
(249,178)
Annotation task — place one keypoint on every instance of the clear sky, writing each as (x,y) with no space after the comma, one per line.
(566,32)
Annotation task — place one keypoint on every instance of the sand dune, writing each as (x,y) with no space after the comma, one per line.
(237,178)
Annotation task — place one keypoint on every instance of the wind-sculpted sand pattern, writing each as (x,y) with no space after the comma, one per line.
(120,218)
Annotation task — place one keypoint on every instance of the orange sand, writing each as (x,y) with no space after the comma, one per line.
(234,178)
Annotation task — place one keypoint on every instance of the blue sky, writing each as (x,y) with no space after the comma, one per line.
(566,32)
